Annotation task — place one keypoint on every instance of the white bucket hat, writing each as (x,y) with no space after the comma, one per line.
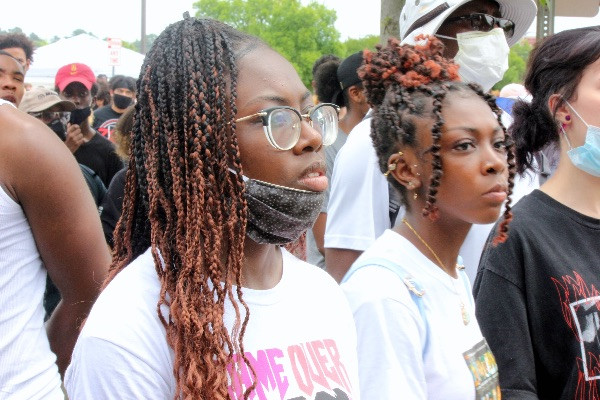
(426,16)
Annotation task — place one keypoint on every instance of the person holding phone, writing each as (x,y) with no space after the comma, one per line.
(77,83)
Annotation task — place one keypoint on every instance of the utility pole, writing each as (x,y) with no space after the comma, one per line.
(143,41)
(545,19)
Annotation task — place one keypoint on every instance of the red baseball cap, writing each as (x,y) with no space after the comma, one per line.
(75,72)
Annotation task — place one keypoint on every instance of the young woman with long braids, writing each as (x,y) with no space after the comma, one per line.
(202,301)
(441,144)
(537,294)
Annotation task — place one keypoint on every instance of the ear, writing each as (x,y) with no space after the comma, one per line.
(406,172)
(563,113)
(357,94)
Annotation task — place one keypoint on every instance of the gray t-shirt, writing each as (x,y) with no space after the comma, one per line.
(313,256)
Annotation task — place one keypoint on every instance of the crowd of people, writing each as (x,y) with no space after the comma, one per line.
(212,229)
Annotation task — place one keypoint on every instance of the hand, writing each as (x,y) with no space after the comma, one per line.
(74,138)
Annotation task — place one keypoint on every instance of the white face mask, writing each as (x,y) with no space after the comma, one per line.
(482,56)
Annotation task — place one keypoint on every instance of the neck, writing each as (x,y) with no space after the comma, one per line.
(117,109)
(574,188)
(263,265)
(443,237)
(351,119)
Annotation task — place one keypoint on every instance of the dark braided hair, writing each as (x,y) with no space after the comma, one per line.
(405,83)
(185,203)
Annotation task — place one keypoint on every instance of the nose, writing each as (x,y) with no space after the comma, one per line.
(76,100)
(310,139)
(493,161)
(8,83)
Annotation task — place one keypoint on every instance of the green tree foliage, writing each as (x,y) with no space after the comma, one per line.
(37,41)
(300,33)
(137,45)
(79,32)
(353,45)
(517,63)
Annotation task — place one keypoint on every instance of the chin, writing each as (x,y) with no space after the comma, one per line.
(488,218)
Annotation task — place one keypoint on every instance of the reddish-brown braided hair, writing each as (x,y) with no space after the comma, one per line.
(405,82)
(185,203)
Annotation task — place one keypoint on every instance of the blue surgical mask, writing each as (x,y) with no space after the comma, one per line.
(586,157)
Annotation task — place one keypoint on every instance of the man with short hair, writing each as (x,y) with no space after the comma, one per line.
(12,76)
(359,207)
(76,83)
(122,91)
(19,46)
(48,226)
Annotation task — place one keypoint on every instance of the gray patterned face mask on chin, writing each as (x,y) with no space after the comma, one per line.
(279,214)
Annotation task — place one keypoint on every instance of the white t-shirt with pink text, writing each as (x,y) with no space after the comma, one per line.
(300,339)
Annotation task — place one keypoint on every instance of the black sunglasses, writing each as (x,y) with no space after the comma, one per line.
(485,23)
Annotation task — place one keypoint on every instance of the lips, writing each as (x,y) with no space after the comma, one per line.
(313,178)
(498,193)
(10,98)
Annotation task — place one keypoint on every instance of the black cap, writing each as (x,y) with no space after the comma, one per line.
(347,73)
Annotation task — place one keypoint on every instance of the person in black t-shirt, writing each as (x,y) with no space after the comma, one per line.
(122,91)
(76,82)
(537,298)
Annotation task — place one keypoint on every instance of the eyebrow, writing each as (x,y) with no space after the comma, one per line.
(13,72)
(470,129)
(276,99)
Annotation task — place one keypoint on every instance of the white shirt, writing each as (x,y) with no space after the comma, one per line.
(401,352)
(358,209)
(300,339)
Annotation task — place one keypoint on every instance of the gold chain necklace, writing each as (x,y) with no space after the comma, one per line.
(463,310)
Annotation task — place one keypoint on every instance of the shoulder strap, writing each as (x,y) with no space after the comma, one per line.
(94,183)
(414,287)
(394,204)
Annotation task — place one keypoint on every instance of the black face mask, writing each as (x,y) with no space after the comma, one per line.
(121,101)
(59,128)
(277,214)
(79,115)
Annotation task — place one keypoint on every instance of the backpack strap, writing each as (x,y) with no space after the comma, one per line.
(94,183)
(394,204)
(414,287)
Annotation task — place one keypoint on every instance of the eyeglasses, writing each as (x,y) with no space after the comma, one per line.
(282,125)
(51,115)
(485,23)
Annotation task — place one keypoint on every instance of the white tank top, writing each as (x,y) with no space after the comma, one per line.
(27,366)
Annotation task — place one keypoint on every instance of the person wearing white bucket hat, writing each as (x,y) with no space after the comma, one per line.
(477,34)
(428,16)
(360,208)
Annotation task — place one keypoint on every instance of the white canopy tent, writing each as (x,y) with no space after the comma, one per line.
(84,49)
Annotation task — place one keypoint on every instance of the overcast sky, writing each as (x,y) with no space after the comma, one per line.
(122,18)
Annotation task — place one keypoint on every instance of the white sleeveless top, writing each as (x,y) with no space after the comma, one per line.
(27,366)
